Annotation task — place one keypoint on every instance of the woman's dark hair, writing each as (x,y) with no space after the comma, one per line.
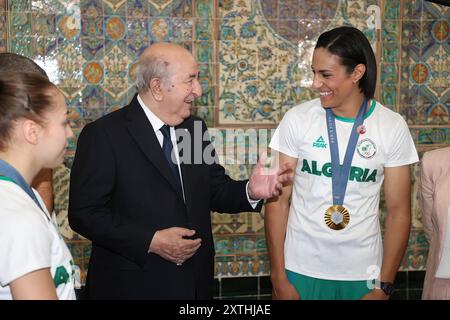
(353,48)
(23,95)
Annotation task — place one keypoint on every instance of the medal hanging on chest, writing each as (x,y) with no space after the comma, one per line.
(337,217)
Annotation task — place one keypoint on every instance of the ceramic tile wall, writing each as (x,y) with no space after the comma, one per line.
(254,59)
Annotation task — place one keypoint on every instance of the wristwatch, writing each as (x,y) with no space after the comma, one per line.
(387,287)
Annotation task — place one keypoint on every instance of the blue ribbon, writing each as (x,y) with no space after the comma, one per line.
(339,174)
(12,174)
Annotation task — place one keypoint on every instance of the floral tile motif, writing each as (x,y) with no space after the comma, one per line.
(114,5)
(264,61)
(434,136)
(425,89)
(136,8)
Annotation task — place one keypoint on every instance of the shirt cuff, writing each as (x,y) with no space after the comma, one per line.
(253,203)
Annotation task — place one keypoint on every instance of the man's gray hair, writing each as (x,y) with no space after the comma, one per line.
(11,62)
(149,68)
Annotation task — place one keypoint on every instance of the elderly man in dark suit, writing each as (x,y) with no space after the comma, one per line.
(145,206)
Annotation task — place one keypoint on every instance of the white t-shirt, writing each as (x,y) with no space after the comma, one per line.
(29,241)
(311,247)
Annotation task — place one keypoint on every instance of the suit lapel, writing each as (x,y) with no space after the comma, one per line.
(142,132)
(186,168)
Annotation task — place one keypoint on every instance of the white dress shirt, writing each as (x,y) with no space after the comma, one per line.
(157,125)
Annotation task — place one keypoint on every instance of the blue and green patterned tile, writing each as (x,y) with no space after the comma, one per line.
(21,45)
(76,248)
(162,8)
(417,259)
(431,135)
(203,29)
(407,80)
(390,52)
(115,28)
(227,8)
(20,24)
(20,6)
(310,10)
(204,52)
(137,8)
(388,95)
(433,11)
(116,7)
(412,9)
(419,73)
(206,113)
(3,33)
(159,29)
(135,46)
(203,8)
(43,24)
(390,30)
(181,29)
(208,88)
(93,99)
(114,102)
(269,9)
(392,10)
(93,48)
(92,26)
(132,91)
(411,31)
(183,9)
(288,10)
(136,28)
(290,29)
(68,28)
(438,114)
(93,114)
(44,46)
(389,74)
(92,8)
(53,7)
(87,247)
(439,30)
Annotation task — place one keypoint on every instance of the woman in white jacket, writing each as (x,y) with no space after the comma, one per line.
(35,263)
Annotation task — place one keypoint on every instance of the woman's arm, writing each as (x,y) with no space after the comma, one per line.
(36,285)
(397,189)
(276,217)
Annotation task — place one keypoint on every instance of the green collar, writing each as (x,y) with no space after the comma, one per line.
(372,107)
(6,179)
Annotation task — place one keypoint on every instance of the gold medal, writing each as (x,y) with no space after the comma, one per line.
(337,217)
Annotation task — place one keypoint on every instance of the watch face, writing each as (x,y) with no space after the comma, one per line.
(387,287)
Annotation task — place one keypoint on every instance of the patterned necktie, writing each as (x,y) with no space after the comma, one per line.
(168,149)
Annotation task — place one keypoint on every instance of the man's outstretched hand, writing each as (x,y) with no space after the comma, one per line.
(267,183)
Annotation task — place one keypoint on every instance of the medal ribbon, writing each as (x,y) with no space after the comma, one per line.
(339,174)
(10,173)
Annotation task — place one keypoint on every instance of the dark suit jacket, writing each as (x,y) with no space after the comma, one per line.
(122,191)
